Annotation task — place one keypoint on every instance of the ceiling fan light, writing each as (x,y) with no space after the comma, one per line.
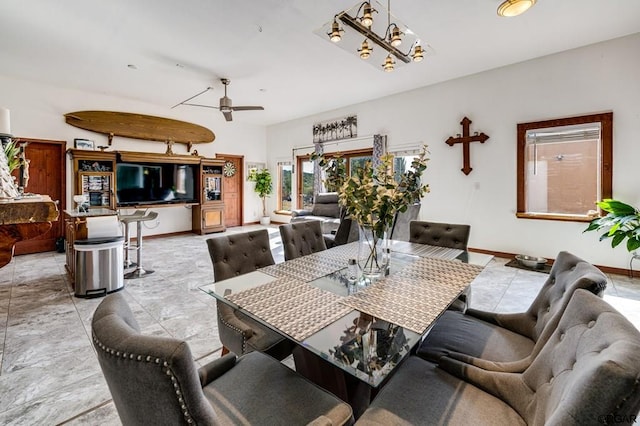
(367,16)
(389,64)
(418,53)
(510,8)
(365,50)
(335,35)
(396,39)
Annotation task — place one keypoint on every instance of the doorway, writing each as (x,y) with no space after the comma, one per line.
(232,185)
(47,176)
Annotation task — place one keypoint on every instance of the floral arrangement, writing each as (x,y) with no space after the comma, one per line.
(373,197)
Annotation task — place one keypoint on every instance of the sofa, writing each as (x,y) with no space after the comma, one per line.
(325,209)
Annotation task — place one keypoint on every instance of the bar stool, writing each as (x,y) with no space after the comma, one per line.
(139,272)
(125,219)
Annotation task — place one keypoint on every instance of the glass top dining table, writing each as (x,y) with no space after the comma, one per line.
(365,329)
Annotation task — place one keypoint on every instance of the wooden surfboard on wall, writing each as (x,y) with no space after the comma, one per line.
(140,126)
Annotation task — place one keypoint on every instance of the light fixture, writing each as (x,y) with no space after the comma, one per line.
(335,35)
(365,50)
(367,14)
(389,64)
(395,37)
(418,54)
(510,8)
(347,29)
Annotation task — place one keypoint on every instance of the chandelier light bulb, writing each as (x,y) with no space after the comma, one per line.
(418,53)
(335,35)
(389,63)
(367,17)
(396,40)
(365,50)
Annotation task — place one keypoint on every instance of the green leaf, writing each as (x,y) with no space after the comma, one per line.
(633,244)
(617,239)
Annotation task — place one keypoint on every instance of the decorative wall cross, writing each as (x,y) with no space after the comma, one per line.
(466,140)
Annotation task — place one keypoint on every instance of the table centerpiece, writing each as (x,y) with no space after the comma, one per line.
(372,197)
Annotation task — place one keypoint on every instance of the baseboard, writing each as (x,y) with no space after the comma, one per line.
(605,269)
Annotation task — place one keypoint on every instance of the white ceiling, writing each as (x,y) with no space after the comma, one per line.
(269,51)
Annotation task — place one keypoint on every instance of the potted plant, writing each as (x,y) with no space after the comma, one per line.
(264,188)
(621,222)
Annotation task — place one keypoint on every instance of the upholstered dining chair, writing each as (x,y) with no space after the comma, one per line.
(154,380)
(234,255)
(439,234)
(347,232)
(586,374)
(443,235)
(509,341)
(302,238)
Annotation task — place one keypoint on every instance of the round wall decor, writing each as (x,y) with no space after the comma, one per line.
(229,169)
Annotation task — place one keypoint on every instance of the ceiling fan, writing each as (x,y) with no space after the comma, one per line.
(226,106)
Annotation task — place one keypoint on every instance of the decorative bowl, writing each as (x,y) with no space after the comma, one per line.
(531,261)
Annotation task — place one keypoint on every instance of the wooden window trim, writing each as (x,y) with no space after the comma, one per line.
(606,161)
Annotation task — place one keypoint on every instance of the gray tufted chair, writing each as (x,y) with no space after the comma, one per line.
(234,255)
(153,380)
(508,342)
(443,235)
(347,232)
(587,373)
(439,234)
(302,238)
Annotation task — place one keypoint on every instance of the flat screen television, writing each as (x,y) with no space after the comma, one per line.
(152,183)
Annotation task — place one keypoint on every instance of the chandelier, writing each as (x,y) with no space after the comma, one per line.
(369,30)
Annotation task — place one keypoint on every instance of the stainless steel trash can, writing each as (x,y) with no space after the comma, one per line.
(99,266)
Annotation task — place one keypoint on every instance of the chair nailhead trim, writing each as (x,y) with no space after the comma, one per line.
(231,326)
(148,358)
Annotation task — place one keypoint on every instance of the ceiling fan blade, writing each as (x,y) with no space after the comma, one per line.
(227,115)
(205,106)
(247,108)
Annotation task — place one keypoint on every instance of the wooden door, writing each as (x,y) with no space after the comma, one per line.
(232,191)
(47,176)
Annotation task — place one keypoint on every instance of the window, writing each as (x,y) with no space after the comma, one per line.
(402,161)
(285,170)
(305,183)
(564,167)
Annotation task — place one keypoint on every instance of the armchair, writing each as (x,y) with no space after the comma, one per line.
(508,342)
(586,373)
(325,209)
(154,380)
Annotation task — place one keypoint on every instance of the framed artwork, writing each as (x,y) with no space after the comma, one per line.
(84,144)
(254,167)
(333,130)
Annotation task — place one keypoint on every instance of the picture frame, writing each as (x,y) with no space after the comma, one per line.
(254,167)
(85,144)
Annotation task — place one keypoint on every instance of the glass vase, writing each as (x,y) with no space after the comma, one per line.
(373,252)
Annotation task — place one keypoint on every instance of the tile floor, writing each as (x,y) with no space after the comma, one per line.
(49,373)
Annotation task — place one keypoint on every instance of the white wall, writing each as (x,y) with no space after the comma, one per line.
(37,111)
(595,78)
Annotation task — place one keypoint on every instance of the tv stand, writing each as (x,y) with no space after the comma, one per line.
(94,175)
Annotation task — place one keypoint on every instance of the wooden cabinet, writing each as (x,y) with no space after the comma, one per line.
(94,177)
(209,215)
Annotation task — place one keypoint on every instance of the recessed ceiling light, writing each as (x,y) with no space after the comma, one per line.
(132,66)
